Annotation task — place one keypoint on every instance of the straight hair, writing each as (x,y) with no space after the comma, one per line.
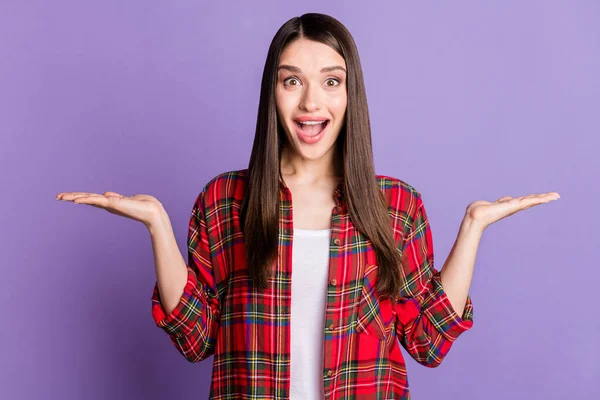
(367,206)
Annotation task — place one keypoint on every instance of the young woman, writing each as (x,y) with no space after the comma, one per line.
(310,298)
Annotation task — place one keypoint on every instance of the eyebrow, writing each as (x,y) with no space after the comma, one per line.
(298,70)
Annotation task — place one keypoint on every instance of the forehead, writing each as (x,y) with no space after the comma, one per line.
(310,56)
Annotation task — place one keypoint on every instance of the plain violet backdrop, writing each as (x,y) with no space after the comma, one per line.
(468,101)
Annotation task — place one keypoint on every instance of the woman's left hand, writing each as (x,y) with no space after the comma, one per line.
(483,213)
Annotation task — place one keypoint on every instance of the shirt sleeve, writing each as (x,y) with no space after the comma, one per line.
(426,322)
(194,323)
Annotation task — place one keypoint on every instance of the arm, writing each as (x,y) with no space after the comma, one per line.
(428,322)
(457,271)
(169,265)
(184,301)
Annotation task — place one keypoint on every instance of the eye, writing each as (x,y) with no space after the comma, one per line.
(293,78)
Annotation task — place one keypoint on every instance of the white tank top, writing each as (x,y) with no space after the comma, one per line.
(310,276)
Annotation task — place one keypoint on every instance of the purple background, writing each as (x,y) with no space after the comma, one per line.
(468,101)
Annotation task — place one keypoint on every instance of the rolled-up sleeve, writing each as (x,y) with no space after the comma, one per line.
(427,324)
(193,324)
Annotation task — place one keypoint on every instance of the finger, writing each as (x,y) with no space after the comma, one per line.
(75,193)
(71,195)
(82,196)
(113,194)
(551,195)
(92,198)
(530,201)
(544,197)
(142,197)
(99,201)
(502,199)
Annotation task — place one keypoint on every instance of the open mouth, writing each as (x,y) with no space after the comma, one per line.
(311,132)
(311,128)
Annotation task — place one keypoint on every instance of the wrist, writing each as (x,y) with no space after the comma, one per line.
(472,225)
(158,221)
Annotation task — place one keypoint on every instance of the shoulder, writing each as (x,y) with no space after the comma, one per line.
(224,188)
(404,201)
(399,193)
(224,182)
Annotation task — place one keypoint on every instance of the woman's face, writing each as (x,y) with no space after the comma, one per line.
(311,97)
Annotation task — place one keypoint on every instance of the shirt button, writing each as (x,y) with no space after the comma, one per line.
(336,241)
(337,209)
(331,327)
(329,373)
(333,282)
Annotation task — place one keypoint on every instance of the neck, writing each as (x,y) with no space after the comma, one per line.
(325,168)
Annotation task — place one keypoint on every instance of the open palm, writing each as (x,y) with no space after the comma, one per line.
(485,213)
(139,207)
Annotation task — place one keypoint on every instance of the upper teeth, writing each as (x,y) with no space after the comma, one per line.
(311,122)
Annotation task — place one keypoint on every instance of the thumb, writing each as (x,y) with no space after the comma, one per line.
(113,194)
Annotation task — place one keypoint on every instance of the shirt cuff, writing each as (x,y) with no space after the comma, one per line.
(183,319)
(440,312)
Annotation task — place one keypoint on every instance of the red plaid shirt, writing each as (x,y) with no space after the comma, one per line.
(249,332)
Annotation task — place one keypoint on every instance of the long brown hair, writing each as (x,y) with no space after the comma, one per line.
(259,216)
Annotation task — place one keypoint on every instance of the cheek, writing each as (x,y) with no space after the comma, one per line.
(338,104)
(284,102)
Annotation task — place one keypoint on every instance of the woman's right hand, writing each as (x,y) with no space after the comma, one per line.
(140,207)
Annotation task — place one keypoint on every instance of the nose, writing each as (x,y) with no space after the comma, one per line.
(311,100)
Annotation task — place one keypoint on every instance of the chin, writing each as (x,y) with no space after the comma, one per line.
(313,151)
